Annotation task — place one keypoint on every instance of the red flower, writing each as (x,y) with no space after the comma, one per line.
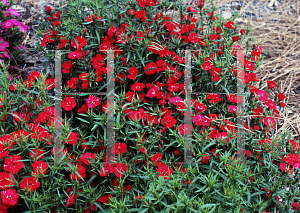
(200,4)
(34,75)
(131,12)
(235,38)
(283,167)
(271,104)
(207,66)
(77,54)
(72,83)
(199,107)
(63,41)
(153,92)
(84,76)
(151,67)
(67,66)
(281,96)
(112,30)
(140,114)
(229,25)
(156,158)
(120,168)
(164,171)
(141,15)
(105,199)
(214,98)
(13,164)
(232,109)
(140,36)
(269,121)
(144,3)
(201,120)
(81,42)
(119,148)
(30,183)
(194,38)
(43,117)
(9,197)
(107,169)
(295,145)
(39,167)
(50,83)
(295,205)
(68,103)
(271,84)
(263,95)
(137,86)
(81,171)
(227,125)
(86,157)
(215,72)
(6,180)
(250,77)
(72,138)
(56,23)
(205,159)
(168,121)
(49,9)
(83,109)
(133,72)
(249,66)
(13,87)
(243,31)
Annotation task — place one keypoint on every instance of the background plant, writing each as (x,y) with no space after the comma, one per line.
(11,33)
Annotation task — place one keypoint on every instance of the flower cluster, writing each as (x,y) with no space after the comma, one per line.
(140,160)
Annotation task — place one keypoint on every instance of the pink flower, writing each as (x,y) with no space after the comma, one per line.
(9,197)
(263,96)
(13,12)
(185,129)
(271,104)
(3,44)
(200,120)
(93,102)
(269,121)
(232,109)
(8,24)
(292,159)
(175,100)
(21,46)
